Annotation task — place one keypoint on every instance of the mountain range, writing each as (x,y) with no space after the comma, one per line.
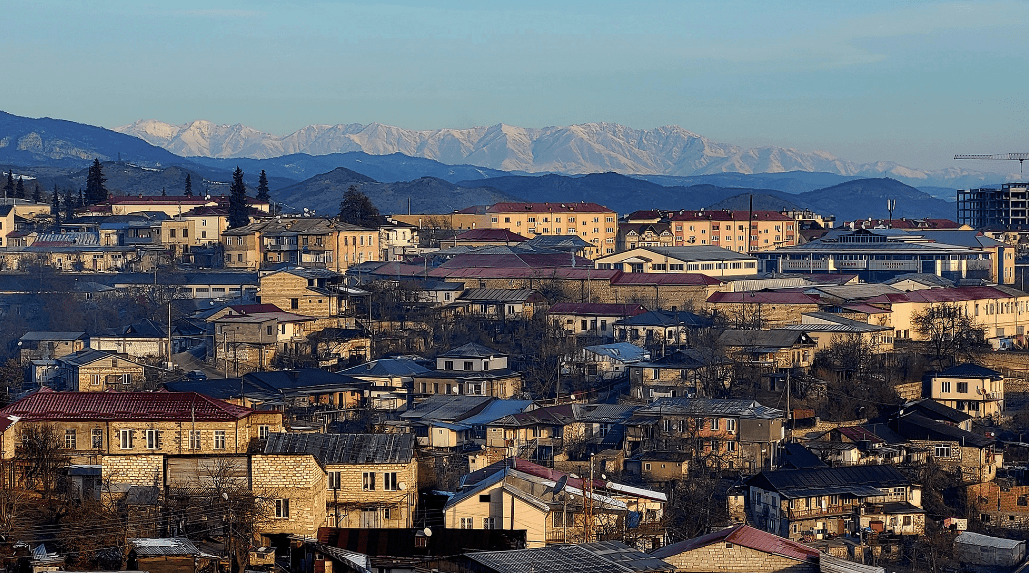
(574,149)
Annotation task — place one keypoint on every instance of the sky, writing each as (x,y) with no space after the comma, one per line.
(910,82)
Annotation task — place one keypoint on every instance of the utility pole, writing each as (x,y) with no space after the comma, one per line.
(170,366)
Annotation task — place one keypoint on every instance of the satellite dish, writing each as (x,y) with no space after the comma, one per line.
(560,485)
(427,532)
(603,476)
(402,486)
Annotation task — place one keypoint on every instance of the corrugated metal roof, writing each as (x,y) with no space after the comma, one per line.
(980,540)
(597,309)
(335,449)
(956,294)
(859,481)
(553,559)
(47,405)
(153,547)
(775,339)
(735,407)
(35,335)
(763,297)
(681,279)
(497,295)
(570,207)
(472,350)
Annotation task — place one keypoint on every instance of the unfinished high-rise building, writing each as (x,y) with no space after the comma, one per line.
(1005,207)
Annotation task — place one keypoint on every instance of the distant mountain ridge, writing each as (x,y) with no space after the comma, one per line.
(574,149)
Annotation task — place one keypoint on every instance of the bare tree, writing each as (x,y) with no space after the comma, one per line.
(950,334)
(42,458)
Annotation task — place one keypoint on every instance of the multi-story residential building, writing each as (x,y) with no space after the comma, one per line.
(707,260)
(1001,310)
(776,349)
(731,435)
(243,342)
(824,501)
(632,234)
(741,231)
(945,433)
(544,434)
(986,207)
(311,292)
(594,223)
(366,481)
(301,241)
(968,388)
(471,369)
(591,319)
(685,372)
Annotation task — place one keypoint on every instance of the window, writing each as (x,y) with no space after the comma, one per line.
(125,439)
(96,438)
(219,439)
(962,387)
(282,508)
(262,431)
(334,480)
(942,450)
(94,380)
(389,481)
(69,439)
(730,446)
(368,481)
(270,329)
(484,498)
(489,523)
(468,365)
(730,425)
(714,424)
(194,439)
(945,386)
(153,439)
(466,523)
(646,466)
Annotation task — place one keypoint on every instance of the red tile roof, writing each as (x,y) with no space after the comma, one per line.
(47,405)
(659,279)
(933,295)
(548,208)
(748,537)
(763,297)
(727,215)
(490,235)
(597,309)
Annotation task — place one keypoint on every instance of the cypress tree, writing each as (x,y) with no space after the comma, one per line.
(238,215)
(263,194)
(189,186)
(95,190)
(19,189)
(358,209)
(55,206)
(37,193)
(9,186)
(69,206)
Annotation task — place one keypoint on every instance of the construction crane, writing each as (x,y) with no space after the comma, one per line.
(1020,157)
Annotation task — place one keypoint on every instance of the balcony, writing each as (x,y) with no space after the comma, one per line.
(280,247)
(840,509)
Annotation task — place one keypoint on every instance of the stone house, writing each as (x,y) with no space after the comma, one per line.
(660,327)
(815,502)
(501,303)
(999,506)
(306,291)
(727,434)
(658,467)
(591,319)
(763,309)
(974,456)
(97,371)
(546,434)
(740,549)
(37,345)
(132,435)
(606,361)
(471,369)
(337,480)
(776,350)
(684,372)
(968,388)
(311,242)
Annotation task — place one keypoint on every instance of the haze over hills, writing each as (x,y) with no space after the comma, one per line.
(573,149)
(324,192)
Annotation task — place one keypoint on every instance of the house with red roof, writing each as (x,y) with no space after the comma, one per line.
(740,548)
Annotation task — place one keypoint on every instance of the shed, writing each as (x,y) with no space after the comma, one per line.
(163,555)
(979,549)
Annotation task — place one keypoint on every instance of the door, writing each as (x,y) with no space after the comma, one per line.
(369,519)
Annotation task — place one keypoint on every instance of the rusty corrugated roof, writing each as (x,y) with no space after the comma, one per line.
(47,405)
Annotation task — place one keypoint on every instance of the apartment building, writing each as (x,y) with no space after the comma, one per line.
(1007,206)
(740,231)
(301,241)
(594,223)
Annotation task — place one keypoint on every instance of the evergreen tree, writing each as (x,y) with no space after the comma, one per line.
(189,186)
(9,186)
(82,200)
(55,206)
(238,207)
(357,209)
(69,206)
(19,189)
(263,194)
(37,193)
(95,190)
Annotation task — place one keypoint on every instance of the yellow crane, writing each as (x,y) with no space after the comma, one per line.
(1020,157)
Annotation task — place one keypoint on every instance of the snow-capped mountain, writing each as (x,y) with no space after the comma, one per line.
(573,149)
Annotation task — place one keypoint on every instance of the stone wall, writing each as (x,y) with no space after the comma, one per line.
(140,469)
(732,558)
(298,479)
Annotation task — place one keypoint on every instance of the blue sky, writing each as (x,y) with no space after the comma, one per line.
(912,82)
